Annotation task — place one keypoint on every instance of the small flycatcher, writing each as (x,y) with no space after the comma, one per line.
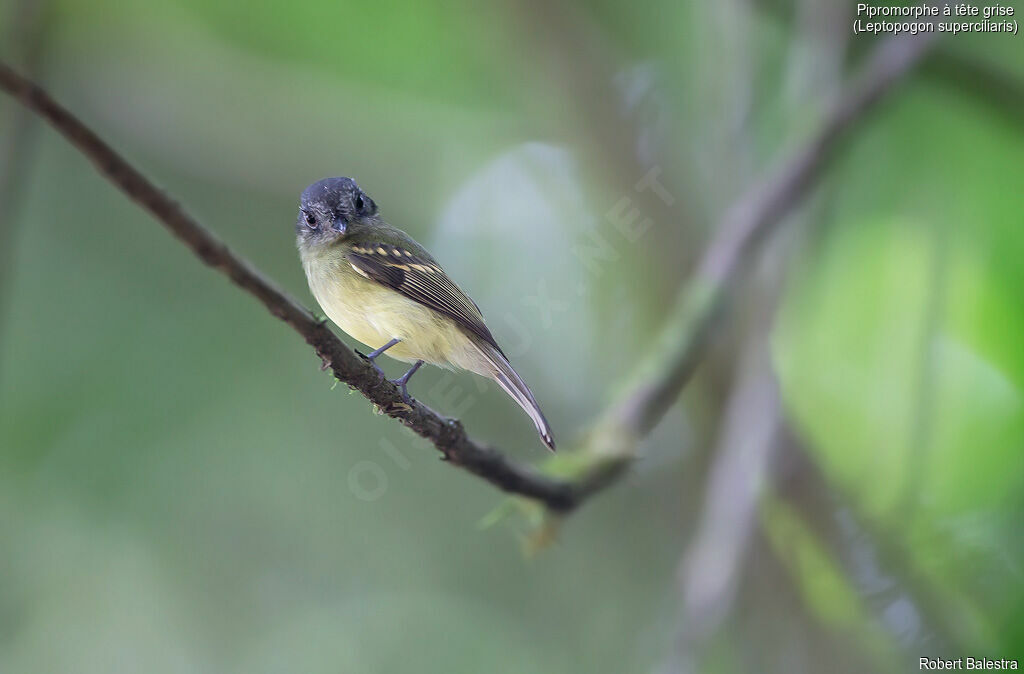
(385,290)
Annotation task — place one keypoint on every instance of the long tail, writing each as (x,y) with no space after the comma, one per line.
(509,380)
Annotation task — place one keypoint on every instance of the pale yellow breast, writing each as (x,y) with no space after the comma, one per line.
(374,314)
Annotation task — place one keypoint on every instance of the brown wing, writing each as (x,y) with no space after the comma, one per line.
(422,280)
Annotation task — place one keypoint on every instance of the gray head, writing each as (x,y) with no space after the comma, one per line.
(332,208)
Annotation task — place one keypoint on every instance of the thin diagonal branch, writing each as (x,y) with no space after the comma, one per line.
(447,435)
(759,210)
(752,427)
(659,379)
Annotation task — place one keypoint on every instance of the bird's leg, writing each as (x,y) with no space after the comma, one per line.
(376,352)
(372,356)
(404,379)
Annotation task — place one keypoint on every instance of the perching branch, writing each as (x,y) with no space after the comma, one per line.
(660,378)
(447,435)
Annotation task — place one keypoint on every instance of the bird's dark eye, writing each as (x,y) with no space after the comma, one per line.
(310,219)
(359,203)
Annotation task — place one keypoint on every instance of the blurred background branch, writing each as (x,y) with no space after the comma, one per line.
(612,441)
(753,425)
(667,368)
(794,350)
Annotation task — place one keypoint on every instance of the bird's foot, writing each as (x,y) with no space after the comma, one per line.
(373,363)
(406,398)
(403,381)
(371,357)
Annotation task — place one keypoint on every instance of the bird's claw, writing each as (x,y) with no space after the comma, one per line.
(402,381)
(372,360)
(406,398)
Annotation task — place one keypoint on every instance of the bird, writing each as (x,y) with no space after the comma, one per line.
(385,290)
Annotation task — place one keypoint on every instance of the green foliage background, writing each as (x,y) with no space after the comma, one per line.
(182,490)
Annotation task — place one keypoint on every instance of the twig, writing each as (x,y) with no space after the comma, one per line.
(753,215)
(752,425)
(711,569)
(616,432)
(446,434)
(658,381)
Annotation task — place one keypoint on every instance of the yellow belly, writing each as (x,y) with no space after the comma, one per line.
(375,314)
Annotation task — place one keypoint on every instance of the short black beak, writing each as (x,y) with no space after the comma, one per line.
(339,225)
